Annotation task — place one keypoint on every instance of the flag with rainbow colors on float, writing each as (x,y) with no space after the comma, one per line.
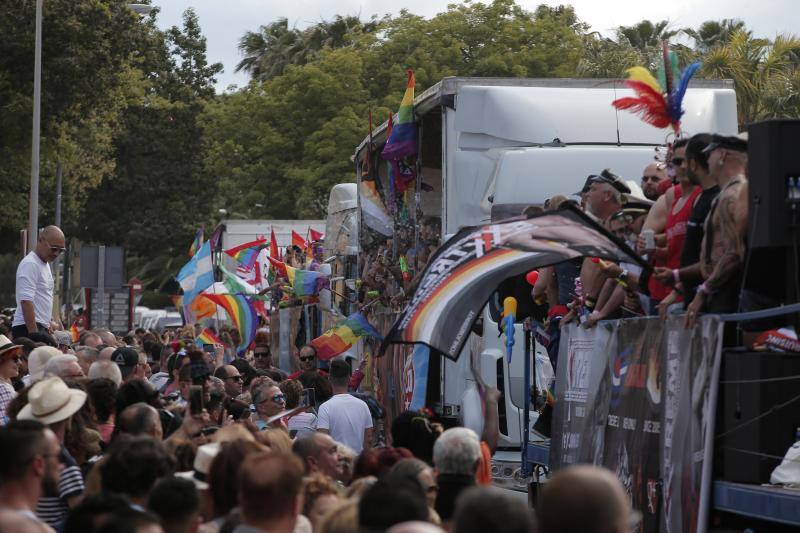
(242,313)
(340,338)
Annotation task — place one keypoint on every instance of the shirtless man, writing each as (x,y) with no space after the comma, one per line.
(723,247)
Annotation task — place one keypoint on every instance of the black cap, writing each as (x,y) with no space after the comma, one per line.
(126,358)
(606,176)
(736,143)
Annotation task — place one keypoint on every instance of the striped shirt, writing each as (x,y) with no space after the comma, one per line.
(53,509)
(7,394)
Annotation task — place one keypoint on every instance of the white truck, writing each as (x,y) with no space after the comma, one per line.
(489,147)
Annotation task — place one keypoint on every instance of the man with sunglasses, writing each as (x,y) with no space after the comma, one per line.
(232,379)
(34,285)
(653,174)
(308,362)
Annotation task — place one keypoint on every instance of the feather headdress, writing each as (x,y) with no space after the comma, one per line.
(658,103)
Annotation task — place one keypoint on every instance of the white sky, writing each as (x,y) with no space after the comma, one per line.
(224,21)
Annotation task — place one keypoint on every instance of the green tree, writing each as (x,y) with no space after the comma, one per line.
(645,34)
(713,33)
(271,49)
(88,78)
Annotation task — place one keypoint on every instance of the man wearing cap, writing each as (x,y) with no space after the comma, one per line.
(34,285)
(51,402)
(723,247)
(604,195)
(129,365)
(9,369)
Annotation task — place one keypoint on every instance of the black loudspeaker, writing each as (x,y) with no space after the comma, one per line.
(773,157)
(757,415)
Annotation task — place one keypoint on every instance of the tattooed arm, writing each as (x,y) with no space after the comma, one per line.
(732,230)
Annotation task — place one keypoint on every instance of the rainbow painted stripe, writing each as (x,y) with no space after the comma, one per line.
(247,253)
(242,314)
(420,324)
(335,341)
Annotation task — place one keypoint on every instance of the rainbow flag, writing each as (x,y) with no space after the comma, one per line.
(208,337)
(336,340)
(242,313)
(401,147)
(303,282)
(197,243)
(247,253)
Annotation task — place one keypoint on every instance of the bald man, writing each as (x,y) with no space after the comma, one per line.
(34,288)
(584,499)
(652,175)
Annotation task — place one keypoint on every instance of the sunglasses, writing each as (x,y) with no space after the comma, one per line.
(261,354)
(237,378)
(654,179)
(279,398)
(307,358)
(677,161)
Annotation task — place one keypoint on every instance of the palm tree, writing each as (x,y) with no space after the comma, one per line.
(270,50)
(338,33)
(712,33)
(765,74)
(645,35)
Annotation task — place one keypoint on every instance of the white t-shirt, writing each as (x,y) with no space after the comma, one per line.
(345,417)
(34,284)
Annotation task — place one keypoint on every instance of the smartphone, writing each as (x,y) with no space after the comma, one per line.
(308,398)
(196,399)
(208,348)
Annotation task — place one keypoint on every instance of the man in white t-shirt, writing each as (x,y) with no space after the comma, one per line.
(34,285)
(346,418)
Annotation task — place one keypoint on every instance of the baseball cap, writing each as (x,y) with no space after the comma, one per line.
(736,143)
(126,358)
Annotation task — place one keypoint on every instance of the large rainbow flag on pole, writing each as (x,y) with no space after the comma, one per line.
(402,142)
(247,253)
(340,338)
(242,314)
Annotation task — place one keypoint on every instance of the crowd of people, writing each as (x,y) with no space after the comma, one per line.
(142,436)
(690,227)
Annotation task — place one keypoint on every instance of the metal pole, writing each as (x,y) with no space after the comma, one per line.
(59,174)
(33,210)
(101,287)
(526,419)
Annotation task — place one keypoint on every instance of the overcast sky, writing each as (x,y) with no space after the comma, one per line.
(224,21)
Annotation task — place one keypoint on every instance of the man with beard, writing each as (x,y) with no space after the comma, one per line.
(652,175)
(29,465)
(687,276)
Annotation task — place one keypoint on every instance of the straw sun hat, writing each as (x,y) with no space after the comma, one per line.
(51,401)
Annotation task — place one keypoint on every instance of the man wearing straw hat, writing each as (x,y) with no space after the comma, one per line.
(51,402)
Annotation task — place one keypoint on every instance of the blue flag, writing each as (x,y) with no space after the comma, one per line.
(197,275)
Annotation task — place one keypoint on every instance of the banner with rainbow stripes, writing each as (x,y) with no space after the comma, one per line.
(340,338)
(303,282)
(242,313)
(207,336)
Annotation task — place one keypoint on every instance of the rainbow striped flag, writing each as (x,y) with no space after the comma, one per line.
(303,282)
(403,139)
(247,253)
(338,339)
(242,314)
(197,243)
(208,337)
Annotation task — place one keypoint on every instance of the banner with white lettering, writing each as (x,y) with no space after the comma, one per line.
(636,396)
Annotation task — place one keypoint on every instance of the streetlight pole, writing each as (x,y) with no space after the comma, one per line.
(33,212)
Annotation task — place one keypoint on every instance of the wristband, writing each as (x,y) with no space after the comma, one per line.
(704,289)
(676,275)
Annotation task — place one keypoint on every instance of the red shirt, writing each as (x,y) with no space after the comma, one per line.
(675,230)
